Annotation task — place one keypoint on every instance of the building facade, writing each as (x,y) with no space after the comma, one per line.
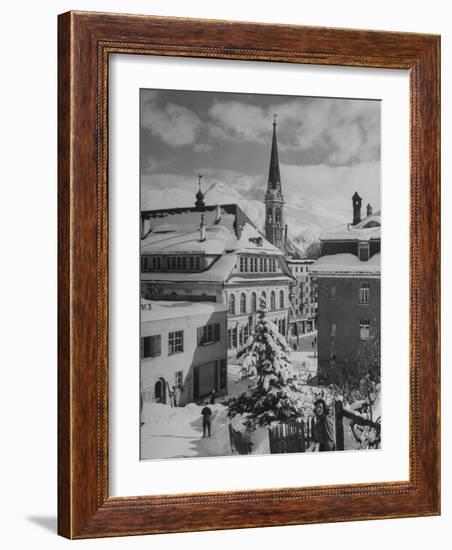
(183,350)
(348,279)
(303,298)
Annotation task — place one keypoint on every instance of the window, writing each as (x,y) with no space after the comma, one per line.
(245,263)
(229,338)
(278,215)
(242,263)
(208,334)
(234,337)
(242,303)
(265,265)
(332,292)
(281,299)
(251,265)
(332,330)
(264,297)
(144,263)
(178,379)
(363,251)
(261,265)
(272,300)
(255,264)
(197,263)
(253,302)
(364,292)
(240,337)
(152,346)
(175,342)
(231,304)
(364,330)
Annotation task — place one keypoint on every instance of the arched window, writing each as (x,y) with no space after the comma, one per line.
(278,215)
(281,299)
(242,303)
(269,215)
(231,304)
(272,300)
(253,302)
(264,297)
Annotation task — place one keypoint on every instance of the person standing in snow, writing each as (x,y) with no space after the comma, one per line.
(171,395)
(206,420)
(323,428)
(212,397)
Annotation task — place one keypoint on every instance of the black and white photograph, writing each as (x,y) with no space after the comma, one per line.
(260,274)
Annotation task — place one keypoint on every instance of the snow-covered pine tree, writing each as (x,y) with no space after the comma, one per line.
(274,395)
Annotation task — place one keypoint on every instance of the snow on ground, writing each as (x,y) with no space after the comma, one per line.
(177,432)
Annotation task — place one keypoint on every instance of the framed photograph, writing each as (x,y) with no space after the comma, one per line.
(248,275)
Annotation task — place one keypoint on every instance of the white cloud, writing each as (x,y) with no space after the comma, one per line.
(238,120)
(346,131)
(202,147)
(174,124)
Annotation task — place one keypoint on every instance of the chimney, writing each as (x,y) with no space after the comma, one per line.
(369,209)
(202,229)
(356,200)
(217,214)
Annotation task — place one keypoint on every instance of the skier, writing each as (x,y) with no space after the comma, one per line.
(206,419)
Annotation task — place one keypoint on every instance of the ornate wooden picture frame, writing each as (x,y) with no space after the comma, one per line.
(86,40)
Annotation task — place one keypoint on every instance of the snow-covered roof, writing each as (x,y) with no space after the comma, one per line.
(218,272)
(152,310)
(346,263)
(186,239)
(252,241)
(367,229)
(227,229)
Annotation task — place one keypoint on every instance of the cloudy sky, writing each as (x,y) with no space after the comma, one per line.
(328,148)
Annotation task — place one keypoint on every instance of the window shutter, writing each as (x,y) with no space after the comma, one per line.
(216,334)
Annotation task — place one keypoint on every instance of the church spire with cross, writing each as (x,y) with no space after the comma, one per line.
(275,231)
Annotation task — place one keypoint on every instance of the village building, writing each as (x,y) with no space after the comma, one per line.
(348,280)
(303,299)
(183,351)
(214,254)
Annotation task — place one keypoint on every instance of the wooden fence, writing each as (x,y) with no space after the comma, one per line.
(293,437)
(240,443)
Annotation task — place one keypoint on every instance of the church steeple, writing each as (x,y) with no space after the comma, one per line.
(274,200)
(274,177)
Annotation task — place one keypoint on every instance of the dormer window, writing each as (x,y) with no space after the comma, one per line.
(363,251)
